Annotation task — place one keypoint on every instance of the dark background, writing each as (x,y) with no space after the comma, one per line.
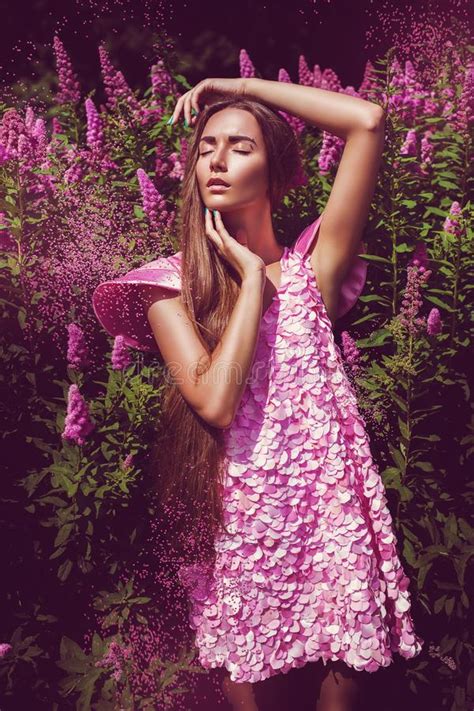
(203,38)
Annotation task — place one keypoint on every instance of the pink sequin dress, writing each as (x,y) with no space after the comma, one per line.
(309,569)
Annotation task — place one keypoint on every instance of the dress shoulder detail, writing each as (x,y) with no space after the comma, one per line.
(355,279)
(118,303)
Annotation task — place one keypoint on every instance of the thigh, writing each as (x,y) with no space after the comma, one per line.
(340,685)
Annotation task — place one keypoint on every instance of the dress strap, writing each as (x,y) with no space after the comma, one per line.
(307,236)
(354,280)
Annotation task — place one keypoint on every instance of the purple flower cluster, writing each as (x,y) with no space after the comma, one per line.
(305,75)
(78,424)
(296,123)
(95,131)
(154,204)
(77,352)
(417,275)
(116,657)
(25,140)
(69,89)
(350,352)
(433,322)
(127,462)
(434,651)
(330,153)
(4,649)
(247,68)
(177,160)
(162,84)
(116,87)
(121,357)
(452,223)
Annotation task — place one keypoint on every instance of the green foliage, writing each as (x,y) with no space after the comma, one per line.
(78,511)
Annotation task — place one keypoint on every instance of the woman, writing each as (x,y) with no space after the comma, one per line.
(260,429)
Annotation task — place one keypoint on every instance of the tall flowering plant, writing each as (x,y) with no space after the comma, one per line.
(88,194)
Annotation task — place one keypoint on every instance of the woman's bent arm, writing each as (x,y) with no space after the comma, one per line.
(216,393)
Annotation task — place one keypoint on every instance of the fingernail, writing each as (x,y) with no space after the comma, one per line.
(215,212)
(207,210)
(186,123)
(170,120)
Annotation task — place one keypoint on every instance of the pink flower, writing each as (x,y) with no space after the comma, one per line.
(69,89)
(116,87)
(417,275)
(433,323)
(127,462)
(350,352)
(77,352)
(305,75)
(115,658)
(426,152)
(331,152)
(409,146)
(121,357)
(95,134)
(247,68)
(295,122)
(153,202)
(161,82)
(78,423)
(452,223)
(5,648)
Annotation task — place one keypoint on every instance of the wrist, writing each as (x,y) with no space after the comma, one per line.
(250,84)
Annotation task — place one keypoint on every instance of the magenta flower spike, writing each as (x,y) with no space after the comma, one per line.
(433,322)
(247,68)
(452,223)
(305,75)
(350,351)
(78,424)
(153,202)
(77,352)
(95,133)
(121,357)
(69,88)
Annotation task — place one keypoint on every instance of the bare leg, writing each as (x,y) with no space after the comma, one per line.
(239,694)
(339,688)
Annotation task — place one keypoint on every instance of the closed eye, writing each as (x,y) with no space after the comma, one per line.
(236,150)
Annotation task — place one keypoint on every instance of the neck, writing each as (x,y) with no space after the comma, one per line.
(258,227)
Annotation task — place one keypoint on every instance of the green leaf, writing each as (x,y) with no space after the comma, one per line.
(424,466)
(64,570)
(63,534)
(438,302)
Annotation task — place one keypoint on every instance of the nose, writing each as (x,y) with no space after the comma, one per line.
(217,159)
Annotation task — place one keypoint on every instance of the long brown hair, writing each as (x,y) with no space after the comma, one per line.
(188,453)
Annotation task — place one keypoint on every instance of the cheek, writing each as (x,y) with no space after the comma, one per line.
(253,176)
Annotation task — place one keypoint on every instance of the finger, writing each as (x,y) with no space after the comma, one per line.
(195,103)
(211,231)
(177,109)
(187,110)
(219,223)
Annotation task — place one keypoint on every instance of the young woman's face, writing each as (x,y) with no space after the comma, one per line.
(240,162)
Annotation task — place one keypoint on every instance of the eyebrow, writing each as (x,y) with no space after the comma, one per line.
(232,139)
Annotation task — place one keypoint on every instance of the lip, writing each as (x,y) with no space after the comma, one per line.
(216,187)
(222,182)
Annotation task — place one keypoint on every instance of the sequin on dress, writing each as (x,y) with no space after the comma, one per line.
(309,569)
